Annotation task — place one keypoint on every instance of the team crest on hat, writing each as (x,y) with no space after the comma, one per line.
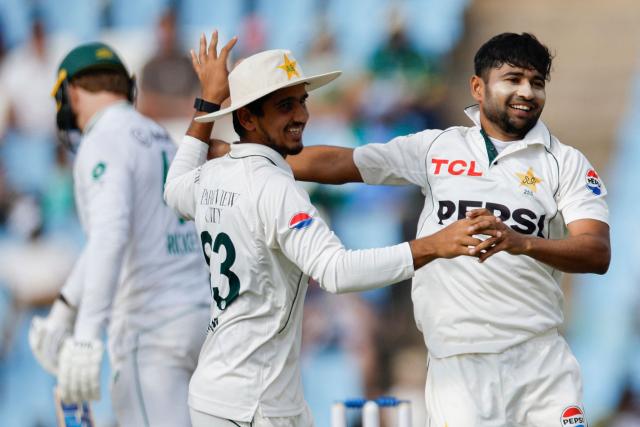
(104,53)
(593,182)
(573,416)
(264,73)
(289,67)
(300,220)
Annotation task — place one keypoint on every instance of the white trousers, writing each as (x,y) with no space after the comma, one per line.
(200,419)
(150,384)
(534,384)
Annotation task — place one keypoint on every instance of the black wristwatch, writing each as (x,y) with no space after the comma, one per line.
(205,106)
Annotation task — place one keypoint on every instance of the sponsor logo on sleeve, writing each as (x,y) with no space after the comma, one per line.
(300,220)
(573,417)
(593,182)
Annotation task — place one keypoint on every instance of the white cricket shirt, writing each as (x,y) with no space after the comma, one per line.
(537,186)
(139,256)
(262,238)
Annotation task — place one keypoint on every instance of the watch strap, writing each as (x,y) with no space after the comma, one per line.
(205,106)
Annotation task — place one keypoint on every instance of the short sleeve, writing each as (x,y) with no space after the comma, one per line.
(581,193)
(400,161)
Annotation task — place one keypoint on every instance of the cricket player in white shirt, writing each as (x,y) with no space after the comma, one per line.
(141,270)
(263,239)
(491,327)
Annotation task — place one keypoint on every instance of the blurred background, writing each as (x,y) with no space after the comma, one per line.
(406,67)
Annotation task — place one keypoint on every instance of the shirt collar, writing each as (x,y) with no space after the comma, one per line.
(539,134)
(246,149)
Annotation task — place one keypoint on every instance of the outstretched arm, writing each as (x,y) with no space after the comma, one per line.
(325,164)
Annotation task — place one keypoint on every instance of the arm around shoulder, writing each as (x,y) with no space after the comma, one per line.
(325,164)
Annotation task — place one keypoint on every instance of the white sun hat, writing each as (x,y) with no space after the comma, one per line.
(262,74)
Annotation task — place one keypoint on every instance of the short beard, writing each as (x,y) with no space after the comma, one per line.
(296,150)
(283,151)
(501,119)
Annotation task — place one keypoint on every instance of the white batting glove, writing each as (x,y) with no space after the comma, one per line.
(79,370)
(47,334)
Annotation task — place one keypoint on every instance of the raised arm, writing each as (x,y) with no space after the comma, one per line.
(211,69)
(325,164)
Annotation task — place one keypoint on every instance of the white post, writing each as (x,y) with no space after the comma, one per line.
(370,414)
(338,415)
(404,414)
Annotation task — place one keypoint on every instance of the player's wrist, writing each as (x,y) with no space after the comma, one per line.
(423,251)
(214,96)
(202,105)
(62,313)
(87,330)
(526,246)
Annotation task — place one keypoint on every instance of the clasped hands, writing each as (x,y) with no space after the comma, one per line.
(480,234)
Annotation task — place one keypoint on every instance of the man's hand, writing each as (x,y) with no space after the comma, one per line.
(459,238)
(79,370)
(512,242)
(211,68)
(47,334)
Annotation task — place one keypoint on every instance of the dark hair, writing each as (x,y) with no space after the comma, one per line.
(255,108)
(103,80)
(518,50)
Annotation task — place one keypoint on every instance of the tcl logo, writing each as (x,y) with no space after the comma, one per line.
(455,167)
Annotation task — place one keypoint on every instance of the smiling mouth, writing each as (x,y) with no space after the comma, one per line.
(295,131)
(521,107)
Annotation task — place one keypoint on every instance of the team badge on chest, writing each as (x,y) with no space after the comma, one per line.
(529,180)
(573,417)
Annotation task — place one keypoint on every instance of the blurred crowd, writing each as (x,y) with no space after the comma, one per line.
(394,56)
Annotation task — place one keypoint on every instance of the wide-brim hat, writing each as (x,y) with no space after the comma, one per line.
(264,73)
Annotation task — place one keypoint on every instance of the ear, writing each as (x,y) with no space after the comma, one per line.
(73,94)
(477,88)
(246,119)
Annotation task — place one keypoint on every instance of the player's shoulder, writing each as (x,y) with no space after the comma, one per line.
(271,180)
(564,152)
(429,136)
(270,175)
(123,127)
